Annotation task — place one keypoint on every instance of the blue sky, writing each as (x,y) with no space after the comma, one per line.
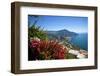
(55,23)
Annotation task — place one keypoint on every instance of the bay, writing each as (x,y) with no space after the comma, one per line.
(80,40)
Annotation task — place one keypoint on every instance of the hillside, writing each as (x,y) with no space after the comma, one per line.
(60,34)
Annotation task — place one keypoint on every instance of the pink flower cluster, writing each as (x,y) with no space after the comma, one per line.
(49,49)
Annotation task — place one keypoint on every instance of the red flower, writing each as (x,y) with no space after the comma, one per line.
(35,43)
(50,49)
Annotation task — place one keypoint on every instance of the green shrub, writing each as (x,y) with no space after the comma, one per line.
(36,31)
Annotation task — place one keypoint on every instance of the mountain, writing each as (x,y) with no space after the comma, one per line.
(66,33)
(60,34)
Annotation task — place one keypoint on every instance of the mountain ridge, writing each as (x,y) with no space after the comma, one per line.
(60,34)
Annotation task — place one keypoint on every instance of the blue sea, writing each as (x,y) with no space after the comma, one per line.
(80,40)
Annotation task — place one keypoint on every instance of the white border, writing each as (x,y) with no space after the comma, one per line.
(25,64)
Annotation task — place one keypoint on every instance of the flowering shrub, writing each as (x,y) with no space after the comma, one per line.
(46,50)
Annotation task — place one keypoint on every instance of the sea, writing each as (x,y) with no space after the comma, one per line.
(80,40)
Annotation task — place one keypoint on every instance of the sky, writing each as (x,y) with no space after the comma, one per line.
(55,23)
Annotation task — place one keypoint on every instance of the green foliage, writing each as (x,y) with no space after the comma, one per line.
(36,31)
(70,56)
(41,56)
